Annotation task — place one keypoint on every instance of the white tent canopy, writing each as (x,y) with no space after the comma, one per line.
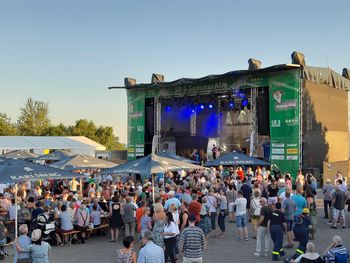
(38,144)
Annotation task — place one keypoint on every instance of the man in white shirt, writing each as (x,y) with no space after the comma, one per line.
(212,205)
(241,216)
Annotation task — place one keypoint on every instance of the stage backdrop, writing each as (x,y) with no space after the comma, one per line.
(284,97)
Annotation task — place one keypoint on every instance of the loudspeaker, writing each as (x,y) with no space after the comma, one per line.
(262,111)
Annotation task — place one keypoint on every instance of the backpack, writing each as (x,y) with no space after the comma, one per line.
(341,257)
(256,207)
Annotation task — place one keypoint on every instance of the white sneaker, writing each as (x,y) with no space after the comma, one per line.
(257,254)
(267,254)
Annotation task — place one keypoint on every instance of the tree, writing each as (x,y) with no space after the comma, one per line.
(6,127)
(34,118)
(83,127)
(106,137)
(58,130)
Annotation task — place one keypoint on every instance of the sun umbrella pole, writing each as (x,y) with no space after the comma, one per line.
(16,211)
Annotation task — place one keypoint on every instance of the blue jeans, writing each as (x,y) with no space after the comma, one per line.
(212,220)
(2,242)
(221,221)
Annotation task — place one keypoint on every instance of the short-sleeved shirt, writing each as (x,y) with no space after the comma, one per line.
(266,212)
(300,204)
(288,206)
(144,223)
(241,204)
(339,197)
(171,228)
(96,217)
(39,253)
(66,221)
(277,218)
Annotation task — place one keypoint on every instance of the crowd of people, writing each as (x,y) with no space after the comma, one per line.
(176,221)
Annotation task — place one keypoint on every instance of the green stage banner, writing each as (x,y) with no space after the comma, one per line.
(136,124)
(285,125)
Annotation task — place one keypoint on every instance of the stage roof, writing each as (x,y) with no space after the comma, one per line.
(315,74)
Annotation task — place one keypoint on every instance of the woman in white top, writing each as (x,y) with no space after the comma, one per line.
(171,230)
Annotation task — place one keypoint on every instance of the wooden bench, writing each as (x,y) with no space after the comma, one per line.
(71,235)
(103,228)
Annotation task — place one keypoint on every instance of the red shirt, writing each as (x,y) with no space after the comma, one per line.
(194,208)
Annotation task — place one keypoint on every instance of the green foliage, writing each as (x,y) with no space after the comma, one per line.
(34,118)
(34,121)
(6,127)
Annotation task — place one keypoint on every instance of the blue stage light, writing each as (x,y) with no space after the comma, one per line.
(231,104)
(210,106)
(168,108)
(201,107)
(244,102)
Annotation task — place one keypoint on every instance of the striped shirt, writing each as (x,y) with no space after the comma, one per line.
(192,241)
(329,256)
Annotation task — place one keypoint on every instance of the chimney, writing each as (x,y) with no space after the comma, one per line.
(298,58)
(128,82)
(346,73)
(157,78)
(254,64)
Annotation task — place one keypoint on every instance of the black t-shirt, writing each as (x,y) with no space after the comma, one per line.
(277,218)
(272,191)
(339,197)
(265,211)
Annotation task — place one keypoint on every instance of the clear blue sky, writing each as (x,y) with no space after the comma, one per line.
(68,52)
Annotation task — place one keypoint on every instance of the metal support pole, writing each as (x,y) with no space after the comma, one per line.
(157,123)
(254,122)
(300,120)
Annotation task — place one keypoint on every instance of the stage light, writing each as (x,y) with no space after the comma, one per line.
(168,108)
(245,102)
(231,104)
(201,107)
(210,106)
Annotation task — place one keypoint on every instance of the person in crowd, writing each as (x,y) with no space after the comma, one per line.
(146,221)
(194,208)
(23,241)
(277,226)
(129,217)
(212,204)
(288,209)
(311,204)
(223,212)
(272,191)
(115,218)
(82,219)
(327,191)
(241,216)
(39,250)
(126,254)
(231,197)
(336,252)
(150,252)
(310,256)
(66,224)
(338,204)
(174,210)
(301,229)
(204,224)
(95,216)
(255,212)
(299,202)
(263,233)
(184,215)
(192,242)
(3,239)
(172,200)
(159,220)
(170,232)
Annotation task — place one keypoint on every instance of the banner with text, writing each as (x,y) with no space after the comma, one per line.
(285,125)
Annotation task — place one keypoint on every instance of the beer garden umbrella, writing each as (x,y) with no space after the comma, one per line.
(56,155)
(82,161)
(14,171)
(19,154)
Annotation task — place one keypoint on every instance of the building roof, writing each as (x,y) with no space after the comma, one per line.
(47,142)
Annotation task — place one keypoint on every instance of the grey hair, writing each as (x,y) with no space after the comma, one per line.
(310,247)
(148,235)
(23,229)
(337,240)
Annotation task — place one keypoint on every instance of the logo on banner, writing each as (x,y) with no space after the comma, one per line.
(283,105)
